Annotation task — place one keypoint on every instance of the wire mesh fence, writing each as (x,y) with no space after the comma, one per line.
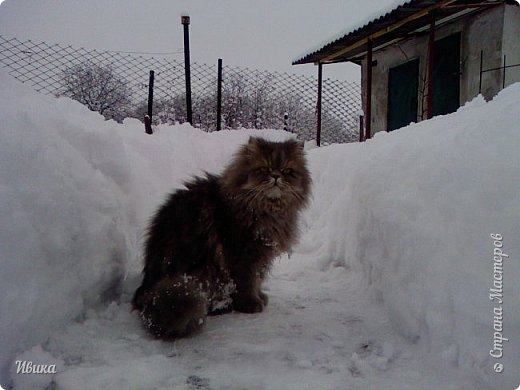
(116,85)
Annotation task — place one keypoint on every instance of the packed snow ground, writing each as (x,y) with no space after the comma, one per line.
(388,288)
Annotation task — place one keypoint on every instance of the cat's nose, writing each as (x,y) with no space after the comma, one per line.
(275,175)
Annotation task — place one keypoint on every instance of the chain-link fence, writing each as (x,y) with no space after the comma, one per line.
(116,85)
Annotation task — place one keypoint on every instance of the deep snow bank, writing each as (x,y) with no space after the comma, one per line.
(63,231)
(75,194)
(409,213)
(413,211)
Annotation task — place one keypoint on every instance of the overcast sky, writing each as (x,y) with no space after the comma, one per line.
(261,34)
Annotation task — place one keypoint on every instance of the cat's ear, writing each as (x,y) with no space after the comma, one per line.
(252,144)
(298,146)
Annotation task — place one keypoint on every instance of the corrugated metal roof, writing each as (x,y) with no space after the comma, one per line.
(378,12)
(408,16)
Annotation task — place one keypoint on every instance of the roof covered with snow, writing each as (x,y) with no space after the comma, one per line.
(398,20)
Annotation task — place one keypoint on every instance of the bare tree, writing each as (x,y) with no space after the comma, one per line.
(97,87)
(233,100)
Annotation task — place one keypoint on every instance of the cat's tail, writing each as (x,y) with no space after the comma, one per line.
(174,307)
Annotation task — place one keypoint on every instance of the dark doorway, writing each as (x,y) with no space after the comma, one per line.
(402,94)
(446,75)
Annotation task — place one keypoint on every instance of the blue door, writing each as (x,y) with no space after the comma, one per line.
(446,75)
(403,81)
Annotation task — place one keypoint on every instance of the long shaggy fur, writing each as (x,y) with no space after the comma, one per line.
(210,246)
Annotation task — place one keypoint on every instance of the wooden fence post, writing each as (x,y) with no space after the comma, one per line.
(185,20)
(219,95)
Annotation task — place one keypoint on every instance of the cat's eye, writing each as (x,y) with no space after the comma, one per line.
(263,170)
(288,171)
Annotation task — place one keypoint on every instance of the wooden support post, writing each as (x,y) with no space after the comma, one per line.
(185,20)
(504,73)
(318,104)
(368,113)
(481,69)
(431,44)
(219,95)
(361,129)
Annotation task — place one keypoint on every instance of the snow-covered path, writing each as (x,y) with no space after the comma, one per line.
(318,332)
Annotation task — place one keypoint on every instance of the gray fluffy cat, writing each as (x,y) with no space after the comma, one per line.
(210,246)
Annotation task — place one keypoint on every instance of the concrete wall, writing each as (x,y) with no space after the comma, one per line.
(511,42)
(478,32)
(481,33)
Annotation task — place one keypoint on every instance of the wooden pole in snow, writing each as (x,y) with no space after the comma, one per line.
(318,104)
(185,20)
(219,94)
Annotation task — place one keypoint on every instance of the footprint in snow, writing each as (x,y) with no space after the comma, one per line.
(197,383)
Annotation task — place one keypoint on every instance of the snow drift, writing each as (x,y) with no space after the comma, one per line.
(413,212)
(65,232)
(408,214)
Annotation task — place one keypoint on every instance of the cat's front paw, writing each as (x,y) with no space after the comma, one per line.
(248,304)
(264,297)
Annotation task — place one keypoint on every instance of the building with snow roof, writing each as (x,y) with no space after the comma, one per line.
(427,58)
